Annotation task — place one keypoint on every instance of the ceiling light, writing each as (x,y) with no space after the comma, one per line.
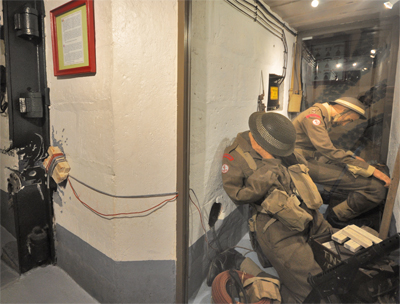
(314,3)
(355,63)
(373,51)
(338,65)
(388,5)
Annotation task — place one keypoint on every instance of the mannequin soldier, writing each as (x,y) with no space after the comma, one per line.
(257,170)
(365,184)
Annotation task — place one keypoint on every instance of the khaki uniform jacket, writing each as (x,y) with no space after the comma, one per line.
(249,179)
(312,136)
(246,185)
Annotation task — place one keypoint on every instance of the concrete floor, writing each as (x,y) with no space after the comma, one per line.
(48,284)
(51,284)
(203,296)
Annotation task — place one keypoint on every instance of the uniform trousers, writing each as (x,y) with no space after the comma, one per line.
(365,193)
(290,253)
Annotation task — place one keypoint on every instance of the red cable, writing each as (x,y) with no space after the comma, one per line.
(201,217)
(116,214)
(201,220)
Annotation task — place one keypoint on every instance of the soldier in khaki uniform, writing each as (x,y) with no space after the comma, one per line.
(258,170)
(365,184)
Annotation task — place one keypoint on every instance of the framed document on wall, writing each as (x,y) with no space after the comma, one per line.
(73,38)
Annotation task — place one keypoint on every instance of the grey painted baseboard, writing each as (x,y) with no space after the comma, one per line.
(228,234)
(111,281)
(7,214)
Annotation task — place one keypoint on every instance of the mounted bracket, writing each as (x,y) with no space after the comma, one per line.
(26,23)
(31,104)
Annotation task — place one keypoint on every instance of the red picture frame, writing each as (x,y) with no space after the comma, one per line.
(73,38)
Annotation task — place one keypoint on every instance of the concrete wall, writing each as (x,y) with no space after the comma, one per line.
(117,129)
(228,53)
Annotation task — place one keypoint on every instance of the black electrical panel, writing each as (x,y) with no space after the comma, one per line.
(29,194)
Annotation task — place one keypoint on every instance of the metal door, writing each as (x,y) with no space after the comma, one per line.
(29,130)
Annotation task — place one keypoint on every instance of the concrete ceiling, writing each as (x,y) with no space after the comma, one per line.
(301,16)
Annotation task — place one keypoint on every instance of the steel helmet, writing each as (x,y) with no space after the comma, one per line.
(353,104)
(274,132)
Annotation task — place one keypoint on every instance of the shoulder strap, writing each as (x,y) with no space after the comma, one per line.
(247,157)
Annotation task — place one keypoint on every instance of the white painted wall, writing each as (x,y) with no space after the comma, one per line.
(394,141)
(145,107)
(118,129)
(228,52)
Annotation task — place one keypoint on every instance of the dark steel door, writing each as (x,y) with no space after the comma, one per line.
(29,130)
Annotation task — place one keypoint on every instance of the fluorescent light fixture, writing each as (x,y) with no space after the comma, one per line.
(314,3)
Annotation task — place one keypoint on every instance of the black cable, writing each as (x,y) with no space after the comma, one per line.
(273,16)
(255,19)
(285,57)
(124,196)
(277,27)
(3,105)
(264,18)
(267,24)
(216,239)
(245,6)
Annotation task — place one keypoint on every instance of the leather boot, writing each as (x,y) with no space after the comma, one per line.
(333,219)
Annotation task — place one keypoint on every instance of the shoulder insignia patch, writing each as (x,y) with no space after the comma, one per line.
(228,156)
(313,115)
(316,122)
(225,168)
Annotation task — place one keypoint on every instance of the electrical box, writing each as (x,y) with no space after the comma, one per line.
(31,104)
(273,92)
